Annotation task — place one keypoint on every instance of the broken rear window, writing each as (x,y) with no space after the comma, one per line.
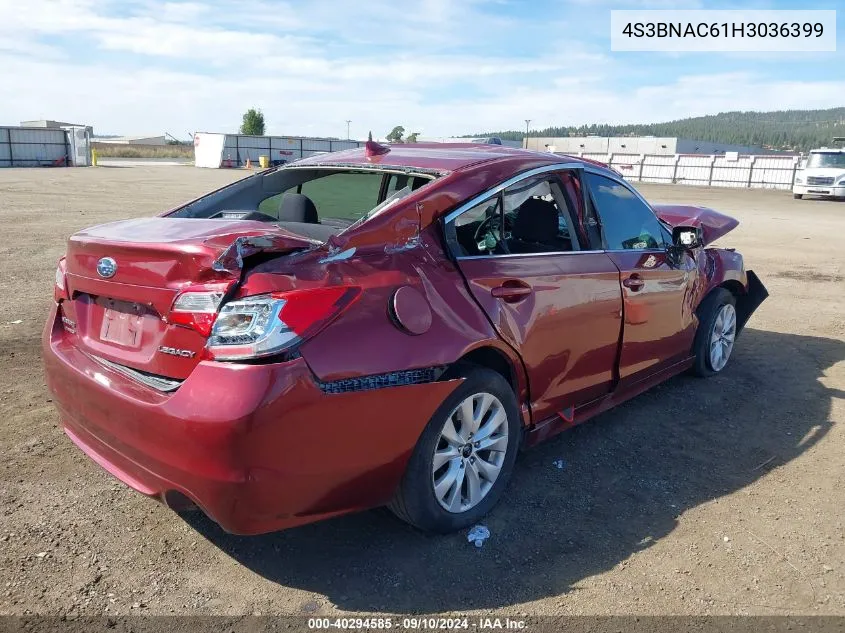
(316,202)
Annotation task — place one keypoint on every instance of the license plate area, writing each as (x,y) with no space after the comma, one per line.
(123,322)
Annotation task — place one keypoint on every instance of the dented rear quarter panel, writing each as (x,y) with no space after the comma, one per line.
(366,339)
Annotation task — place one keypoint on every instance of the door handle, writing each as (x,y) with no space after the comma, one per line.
(511,291)
(634,283)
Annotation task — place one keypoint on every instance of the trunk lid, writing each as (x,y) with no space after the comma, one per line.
(121,315)
(713,224)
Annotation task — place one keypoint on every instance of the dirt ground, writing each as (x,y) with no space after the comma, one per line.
(719,496)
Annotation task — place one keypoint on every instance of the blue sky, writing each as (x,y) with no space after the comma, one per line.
(440,67)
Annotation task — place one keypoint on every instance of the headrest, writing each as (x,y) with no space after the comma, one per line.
(296,207)
(536,221)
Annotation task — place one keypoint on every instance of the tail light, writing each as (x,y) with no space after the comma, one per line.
(264,325)
(60,289)
(196,310)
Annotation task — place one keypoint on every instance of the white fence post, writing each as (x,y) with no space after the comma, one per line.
(751,171)
(710,175)
(675,168)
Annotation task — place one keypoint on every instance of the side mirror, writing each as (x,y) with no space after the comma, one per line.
(687,237)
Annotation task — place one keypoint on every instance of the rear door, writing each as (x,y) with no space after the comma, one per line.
(555,302)
(659,323)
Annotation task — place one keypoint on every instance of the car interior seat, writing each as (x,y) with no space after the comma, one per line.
(296,207)
(535,228)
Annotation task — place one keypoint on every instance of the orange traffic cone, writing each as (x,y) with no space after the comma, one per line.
(248,163)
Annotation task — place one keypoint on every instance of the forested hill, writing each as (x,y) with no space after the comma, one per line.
(784,129)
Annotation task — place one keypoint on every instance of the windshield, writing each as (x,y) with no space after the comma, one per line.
(826,159)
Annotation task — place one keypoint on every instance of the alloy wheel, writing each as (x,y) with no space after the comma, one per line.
(470,452)
(722,337)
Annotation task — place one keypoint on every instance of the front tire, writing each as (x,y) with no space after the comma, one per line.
(464,457)
(716,335)
(797,196)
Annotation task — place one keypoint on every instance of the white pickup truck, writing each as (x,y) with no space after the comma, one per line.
(823,174)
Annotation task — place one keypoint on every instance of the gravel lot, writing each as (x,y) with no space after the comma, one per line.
(720,496)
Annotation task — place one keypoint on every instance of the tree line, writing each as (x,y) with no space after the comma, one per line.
(794,130)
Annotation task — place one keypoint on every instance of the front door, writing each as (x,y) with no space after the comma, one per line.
(659,322)
(557,305)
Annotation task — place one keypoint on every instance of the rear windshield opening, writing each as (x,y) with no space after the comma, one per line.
(317,203)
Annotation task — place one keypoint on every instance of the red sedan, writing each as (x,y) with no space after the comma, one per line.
(385,325)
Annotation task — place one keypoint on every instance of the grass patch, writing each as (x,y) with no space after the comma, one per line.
(113,150)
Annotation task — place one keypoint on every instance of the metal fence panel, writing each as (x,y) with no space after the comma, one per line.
(285,142)
(45,136)
(693,170)
(731,173)
(5,147)
(33,147)
(341,145)
(239,148)
(658,169)
(774,172)
(315,145)
(254,142)
(629,165)
(772,177)
(765,172)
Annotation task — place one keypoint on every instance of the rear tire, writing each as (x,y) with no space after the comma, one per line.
(464,458)
(797,196)
(716,334)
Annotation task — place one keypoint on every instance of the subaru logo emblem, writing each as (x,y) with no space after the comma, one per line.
(106,267)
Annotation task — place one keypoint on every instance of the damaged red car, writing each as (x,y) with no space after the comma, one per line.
(381,326)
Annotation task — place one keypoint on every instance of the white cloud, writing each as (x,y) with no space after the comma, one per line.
(180,67)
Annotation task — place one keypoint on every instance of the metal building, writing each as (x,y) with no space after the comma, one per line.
(133,140)
(462,139)
(50,123)
(648,145)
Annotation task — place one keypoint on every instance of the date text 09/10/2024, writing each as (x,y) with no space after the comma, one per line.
(418,623)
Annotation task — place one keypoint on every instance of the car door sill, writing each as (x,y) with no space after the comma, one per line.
(559,422)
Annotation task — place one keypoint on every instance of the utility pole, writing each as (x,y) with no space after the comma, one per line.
(348,121)
(527,122)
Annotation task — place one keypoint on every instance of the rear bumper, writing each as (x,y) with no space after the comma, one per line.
(256,447)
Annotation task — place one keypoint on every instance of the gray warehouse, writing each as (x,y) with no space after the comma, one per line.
(650,145)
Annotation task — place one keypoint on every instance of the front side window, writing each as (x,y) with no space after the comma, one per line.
(538,218)
(533,216)
(479,230)
(628,223)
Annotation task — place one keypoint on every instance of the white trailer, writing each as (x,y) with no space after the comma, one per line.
(215,150)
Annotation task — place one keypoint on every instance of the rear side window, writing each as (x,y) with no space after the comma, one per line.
(398,182)
(347,196)
(628,223)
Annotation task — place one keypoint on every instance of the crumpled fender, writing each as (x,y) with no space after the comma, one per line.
(712,223)
(725,268)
